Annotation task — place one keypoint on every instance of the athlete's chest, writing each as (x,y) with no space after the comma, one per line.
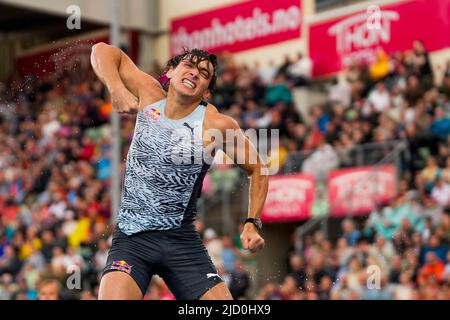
(200,129)
(170,142)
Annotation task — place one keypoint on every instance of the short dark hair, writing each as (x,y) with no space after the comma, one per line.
(195,56)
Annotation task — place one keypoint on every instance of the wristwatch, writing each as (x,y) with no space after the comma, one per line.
(257,222)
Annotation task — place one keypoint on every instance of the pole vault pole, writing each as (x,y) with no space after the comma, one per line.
(115,122)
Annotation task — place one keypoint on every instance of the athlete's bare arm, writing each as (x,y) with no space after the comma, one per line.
(245,156)
(131,89)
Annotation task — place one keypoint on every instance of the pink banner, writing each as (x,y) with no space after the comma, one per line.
(238,27)
(290,198)
(356,190)
(335,43)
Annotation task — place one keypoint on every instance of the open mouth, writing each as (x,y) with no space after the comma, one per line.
(189,84)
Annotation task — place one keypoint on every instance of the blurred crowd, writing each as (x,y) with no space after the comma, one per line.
(363,264)
(55,167)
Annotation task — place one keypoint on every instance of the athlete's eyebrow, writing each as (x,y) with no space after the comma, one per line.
(207,71)
(194,61)
(203,68)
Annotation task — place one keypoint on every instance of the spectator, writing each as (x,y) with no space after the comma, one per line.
(354,274)
(428,176)
(421,63)
(396,269)
(350,233)
(228,254)
(49,290)
(379,99)
(414,91)
(441,124)
(340,92)
(405,289)
(278,92)
(9,262)
(444,89)
(447,267)
(60,261)
(380,68)
(446,171)
(269,292)
(101,255)
(434,245)
(441,193)
(343,251)
(87,295)
(427,231)
(382,248)
(240,281)
(297,271)
(432,270)
(288,288)
(326,283)
(444,228)
(301,70)
(321,161)
(214,246)
(267,73)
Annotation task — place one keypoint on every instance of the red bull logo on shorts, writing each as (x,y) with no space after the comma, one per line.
(121,265)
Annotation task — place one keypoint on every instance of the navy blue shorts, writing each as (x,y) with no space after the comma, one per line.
(178,256)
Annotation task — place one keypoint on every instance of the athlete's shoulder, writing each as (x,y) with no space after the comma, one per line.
(218,120)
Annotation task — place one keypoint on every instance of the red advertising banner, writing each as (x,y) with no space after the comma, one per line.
(356,190)
(58,57)
(290,198)
(335,43)
(238,27)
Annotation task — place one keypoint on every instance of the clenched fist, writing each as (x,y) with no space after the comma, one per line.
(251,239)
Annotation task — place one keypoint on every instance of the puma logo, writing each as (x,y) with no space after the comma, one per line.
(209,275)
(190,128)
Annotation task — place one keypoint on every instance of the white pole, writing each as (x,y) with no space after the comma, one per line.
(115,122)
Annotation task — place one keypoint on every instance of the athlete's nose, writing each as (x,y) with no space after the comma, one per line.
(194,74)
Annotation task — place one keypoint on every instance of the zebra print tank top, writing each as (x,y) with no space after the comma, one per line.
(164,171)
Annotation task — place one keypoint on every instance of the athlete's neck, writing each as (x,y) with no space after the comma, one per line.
(178,107)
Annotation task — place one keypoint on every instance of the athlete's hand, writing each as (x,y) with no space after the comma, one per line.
(124,101)
(251,239)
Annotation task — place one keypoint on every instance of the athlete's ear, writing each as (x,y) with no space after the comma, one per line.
(207,95)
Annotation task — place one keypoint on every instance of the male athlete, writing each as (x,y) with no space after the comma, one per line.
(155,232)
